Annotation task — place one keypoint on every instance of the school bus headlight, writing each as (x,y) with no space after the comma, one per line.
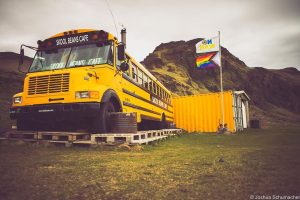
(87,94)
(82,95)
(17,100)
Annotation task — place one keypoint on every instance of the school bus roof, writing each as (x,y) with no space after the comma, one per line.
(110,36)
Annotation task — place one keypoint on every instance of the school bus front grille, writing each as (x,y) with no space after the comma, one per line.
(48,84)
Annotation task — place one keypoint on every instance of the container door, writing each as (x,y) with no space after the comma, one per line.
(238,116)
(244,115)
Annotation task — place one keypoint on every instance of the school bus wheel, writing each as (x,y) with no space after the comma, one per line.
(102,123)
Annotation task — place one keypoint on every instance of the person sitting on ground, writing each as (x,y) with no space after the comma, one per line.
(225,130)
(220,129)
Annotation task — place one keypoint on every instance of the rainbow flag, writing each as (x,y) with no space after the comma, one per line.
(205,60)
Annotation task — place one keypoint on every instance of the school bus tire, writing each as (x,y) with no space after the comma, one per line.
(102,122)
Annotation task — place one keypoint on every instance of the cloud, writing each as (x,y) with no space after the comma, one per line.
(259,32)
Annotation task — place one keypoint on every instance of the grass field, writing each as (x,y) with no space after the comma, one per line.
(192,166)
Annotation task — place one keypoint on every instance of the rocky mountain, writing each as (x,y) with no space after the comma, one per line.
(274,94)
(11,82)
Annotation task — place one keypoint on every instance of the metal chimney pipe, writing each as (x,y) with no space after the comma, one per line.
(123,36)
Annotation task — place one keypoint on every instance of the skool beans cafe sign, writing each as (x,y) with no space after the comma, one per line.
(73,40)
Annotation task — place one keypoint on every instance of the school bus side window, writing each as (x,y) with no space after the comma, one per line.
(160,92)
(154,88)
(150,85)
(128,71)
(134,72)
(145,78)
(140,77)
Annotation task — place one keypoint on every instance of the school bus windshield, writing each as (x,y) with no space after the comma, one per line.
(77,56)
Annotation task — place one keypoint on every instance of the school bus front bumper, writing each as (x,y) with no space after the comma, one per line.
(55,112)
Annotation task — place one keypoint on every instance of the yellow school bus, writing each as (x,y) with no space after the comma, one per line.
(78,77)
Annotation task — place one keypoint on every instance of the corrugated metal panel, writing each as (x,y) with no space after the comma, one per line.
(203,112)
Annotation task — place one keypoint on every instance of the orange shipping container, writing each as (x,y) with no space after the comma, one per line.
(202,113)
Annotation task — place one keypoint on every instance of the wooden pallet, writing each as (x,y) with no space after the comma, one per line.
(70,138)
(62,136)
(141,137)
(23,135)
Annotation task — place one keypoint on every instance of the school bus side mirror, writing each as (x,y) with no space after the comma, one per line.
(124,66)
(121,52)
(21,58)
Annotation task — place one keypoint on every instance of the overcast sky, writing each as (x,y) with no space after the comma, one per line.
(262,33)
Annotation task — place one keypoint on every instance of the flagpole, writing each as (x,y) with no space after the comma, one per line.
(221,81)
